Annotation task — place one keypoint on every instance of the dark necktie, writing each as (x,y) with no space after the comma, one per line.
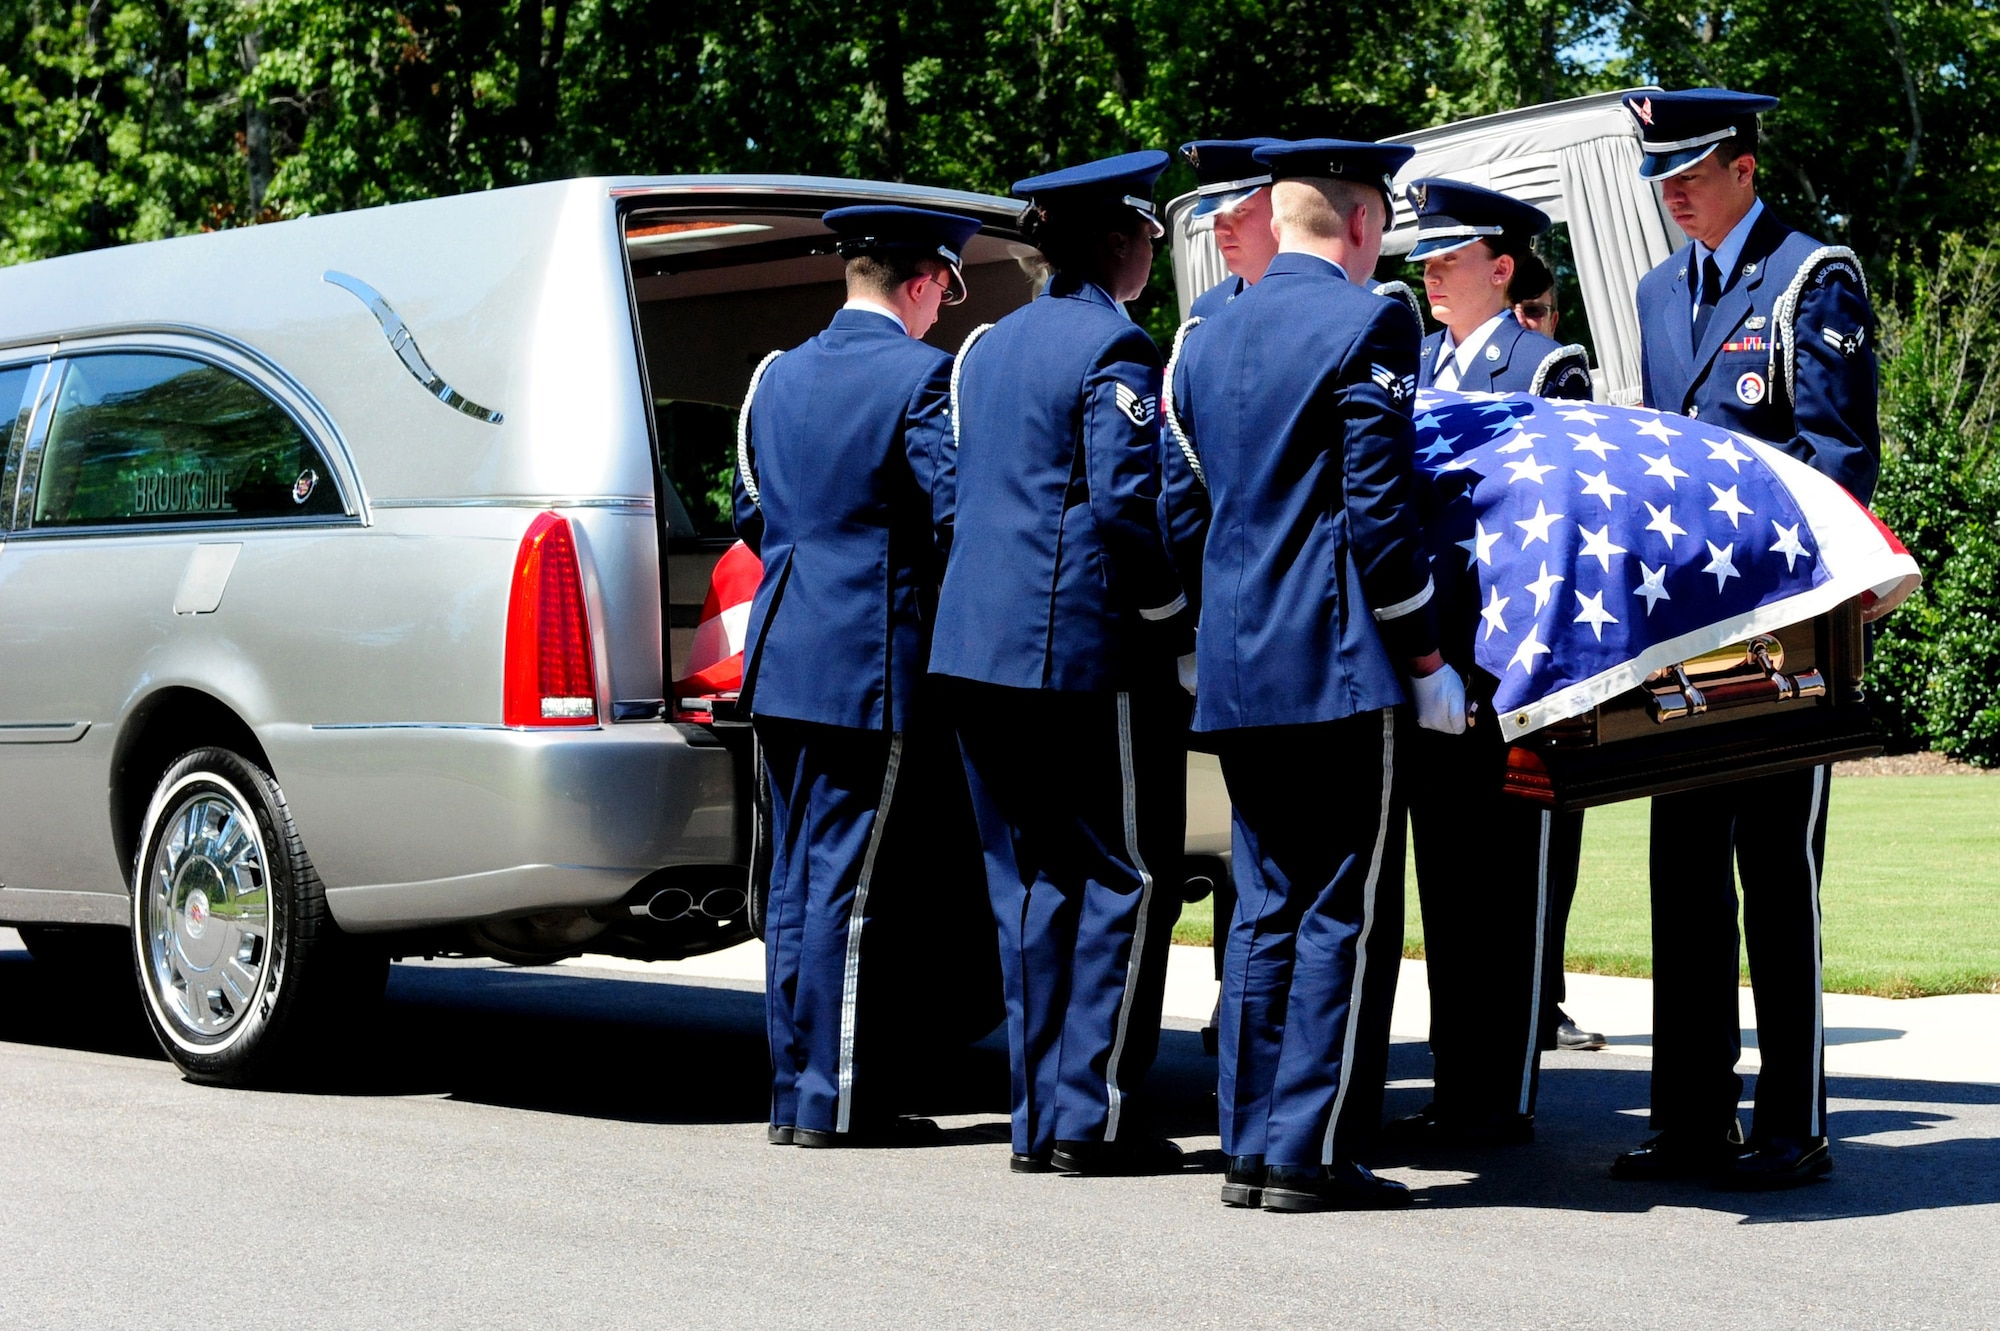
(1704,301)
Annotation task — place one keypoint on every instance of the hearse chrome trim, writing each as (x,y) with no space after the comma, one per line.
(42,732)
(404,343)
(619,503)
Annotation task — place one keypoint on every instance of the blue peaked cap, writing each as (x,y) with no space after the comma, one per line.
(1362,162)
(1127,178)
(1678,129)
(1225,173)
(891,226)
(1452,214)
(873,228)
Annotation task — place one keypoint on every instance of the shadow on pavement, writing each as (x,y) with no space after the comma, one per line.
(1591,1107)
(642,1050)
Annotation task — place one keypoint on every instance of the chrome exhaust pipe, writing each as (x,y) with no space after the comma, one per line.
(670,904)
(724,903)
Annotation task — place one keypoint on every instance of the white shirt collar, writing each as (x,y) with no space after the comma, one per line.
(1464,354)
(1729,251)
(875,307)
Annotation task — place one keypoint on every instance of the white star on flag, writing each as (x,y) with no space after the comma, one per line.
(1599,485)
(1428,421)
(1662,467)
(1520,443)
(1480,548)
(1654,426)
(1789,544)
(1491,614)
(1544,587)
(1437,446)
(1728,504)
(1537,527)
(1527,469)
(1504,408)
(1584,414)
(1525,654)
(1590,443)
(1653,585)
(1719,565)
(1725,450)
(1599,543)
(1591,611)
(1663,523)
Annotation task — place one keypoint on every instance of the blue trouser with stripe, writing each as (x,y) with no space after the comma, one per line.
(1317,938)
(1492,870)
(1774,830)
(831,794)
(1083,839)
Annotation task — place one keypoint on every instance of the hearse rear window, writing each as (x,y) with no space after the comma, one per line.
(148,439)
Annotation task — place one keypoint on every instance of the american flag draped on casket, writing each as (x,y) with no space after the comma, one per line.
(715,659)
(1661,603)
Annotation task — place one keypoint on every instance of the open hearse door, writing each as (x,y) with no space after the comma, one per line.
(1578,161)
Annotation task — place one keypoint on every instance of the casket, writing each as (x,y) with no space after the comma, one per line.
(1781,700)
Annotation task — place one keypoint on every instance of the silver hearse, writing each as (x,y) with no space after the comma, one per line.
(346,570)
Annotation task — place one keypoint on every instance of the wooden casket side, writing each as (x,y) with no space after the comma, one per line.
(1784,701)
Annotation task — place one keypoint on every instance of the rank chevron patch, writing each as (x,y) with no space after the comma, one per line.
(1401,388)
(1141,410)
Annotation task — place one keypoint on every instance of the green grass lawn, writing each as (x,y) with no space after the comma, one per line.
(1909,899)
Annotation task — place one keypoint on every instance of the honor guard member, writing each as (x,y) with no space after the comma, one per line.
(1532,296)
(842,444)
(1233,193)
(1754,327)
(1492,870)
(1233,196)
(1470,241)
(1059,625)
(1294,410)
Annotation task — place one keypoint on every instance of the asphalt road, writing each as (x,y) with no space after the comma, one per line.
(568,1149)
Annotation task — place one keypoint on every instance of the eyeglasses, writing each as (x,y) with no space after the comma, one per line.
(1532,309)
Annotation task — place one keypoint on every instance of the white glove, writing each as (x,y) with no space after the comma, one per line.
(1440,699)
(1184,667)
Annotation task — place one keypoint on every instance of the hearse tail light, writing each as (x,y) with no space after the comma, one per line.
(551,678)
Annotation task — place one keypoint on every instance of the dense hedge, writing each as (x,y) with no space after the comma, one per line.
(1935,678)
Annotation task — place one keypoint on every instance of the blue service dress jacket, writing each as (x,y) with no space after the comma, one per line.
(1210,302)
(1788,356)
(848,444)
(1515,360)
(1059,576)
(1315,588)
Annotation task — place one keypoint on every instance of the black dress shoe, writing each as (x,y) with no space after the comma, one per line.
(779,1134)
(1344,1186)
(1131,1156)
(1571,1036)
(1678,1153)
(1781,1162)
(1243,1182)
(886,1132)
(1427,1130)
(1035,1162)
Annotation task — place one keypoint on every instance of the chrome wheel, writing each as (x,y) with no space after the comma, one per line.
(207,912)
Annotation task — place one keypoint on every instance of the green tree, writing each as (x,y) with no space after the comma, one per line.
(1936,658)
